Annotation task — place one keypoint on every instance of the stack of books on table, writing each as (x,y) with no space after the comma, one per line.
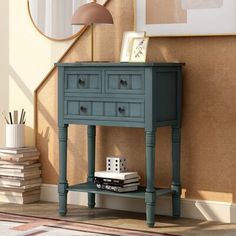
(117,182)
(19,175)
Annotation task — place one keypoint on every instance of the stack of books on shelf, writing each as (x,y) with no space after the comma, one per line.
(19,175)
(117,182)
(116,178)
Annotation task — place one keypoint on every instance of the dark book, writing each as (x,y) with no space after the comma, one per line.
(120,185)
(117,188)
(117,182)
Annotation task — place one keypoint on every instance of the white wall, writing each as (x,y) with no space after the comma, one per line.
(4,62)
(25,59)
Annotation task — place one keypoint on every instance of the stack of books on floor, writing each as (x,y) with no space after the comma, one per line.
(19,175)
(117,182)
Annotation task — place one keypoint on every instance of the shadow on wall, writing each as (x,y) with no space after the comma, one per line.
(44,138)
(4,64)
(47,141)
(22,86)
(29,132)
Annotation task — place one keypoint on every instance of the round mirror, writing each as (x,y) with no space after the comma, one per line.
(52,18)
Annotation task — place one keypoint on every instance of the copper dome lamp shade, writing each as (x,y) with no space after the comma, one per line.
(90,14)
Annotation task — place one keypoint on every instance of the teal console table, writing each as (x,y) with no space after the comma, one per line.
(146,95)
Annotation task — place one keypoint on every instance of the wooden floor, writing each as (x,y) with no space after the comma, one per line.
(123,219)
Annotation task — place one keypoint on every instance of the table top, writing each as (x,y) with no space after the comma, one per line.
(119,64)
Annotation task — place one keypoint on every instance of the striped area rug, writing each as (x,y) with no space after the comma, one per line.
(19,225)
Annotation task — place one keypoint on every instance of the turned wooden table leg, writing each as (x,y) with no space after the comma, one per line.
(63,184)
(91,162)
(176,185)
(150,195)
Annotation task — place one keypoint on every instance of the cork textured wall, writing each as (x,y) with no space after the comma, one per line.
(209,113)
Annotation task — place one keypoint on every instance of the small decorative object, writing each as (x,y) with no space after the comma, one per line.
(15,135)
(186,17)
(90,14)
(116,164)
(139,49)
(127,43)
(15,129)
(115,178)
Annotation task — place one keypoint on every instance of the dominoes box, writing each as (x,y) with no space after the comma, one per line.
(116,164)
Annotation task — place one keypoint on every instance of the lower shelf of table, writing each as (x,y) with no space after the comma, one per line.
(140,193)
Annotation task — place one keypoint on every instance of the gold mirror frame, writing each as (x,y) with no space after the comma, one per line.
(54,39)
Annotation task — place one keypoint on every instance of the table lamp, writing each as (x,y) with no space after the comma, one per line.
(90,14)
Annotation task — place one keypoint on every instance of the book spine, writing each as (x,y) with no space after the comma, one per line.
(117,182)
(109,187)
(5,170)
(18,159)
(27,174)
(117,188)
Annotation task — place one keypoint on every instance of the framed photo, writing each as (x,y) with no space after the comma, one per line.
(127,43)
(139,49)
(186,17)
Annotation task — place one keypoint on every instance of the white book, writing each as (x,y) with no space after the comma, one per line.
(19,183)
(113,175)
(20,194)
(19,166)
(28,154)
(21,188)
(18,150)
(25,162)
(19,199)
(34,176)
(5,170)
(26,174)
(12,159)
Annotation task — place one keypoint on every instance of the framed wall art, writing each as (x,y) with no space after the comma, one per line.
(186,17)
(139,49)
(127,44)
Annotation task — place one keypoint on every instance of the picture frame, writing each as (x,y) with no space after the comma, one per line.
(139,49)
(127,43)
(171,18)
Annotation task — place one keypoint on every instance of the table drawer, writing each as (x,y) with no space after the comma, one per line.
(124,82)
(107,110)
(83,81)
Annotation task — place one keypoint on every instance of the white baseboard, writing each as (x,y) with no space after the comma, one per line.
(190,208)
